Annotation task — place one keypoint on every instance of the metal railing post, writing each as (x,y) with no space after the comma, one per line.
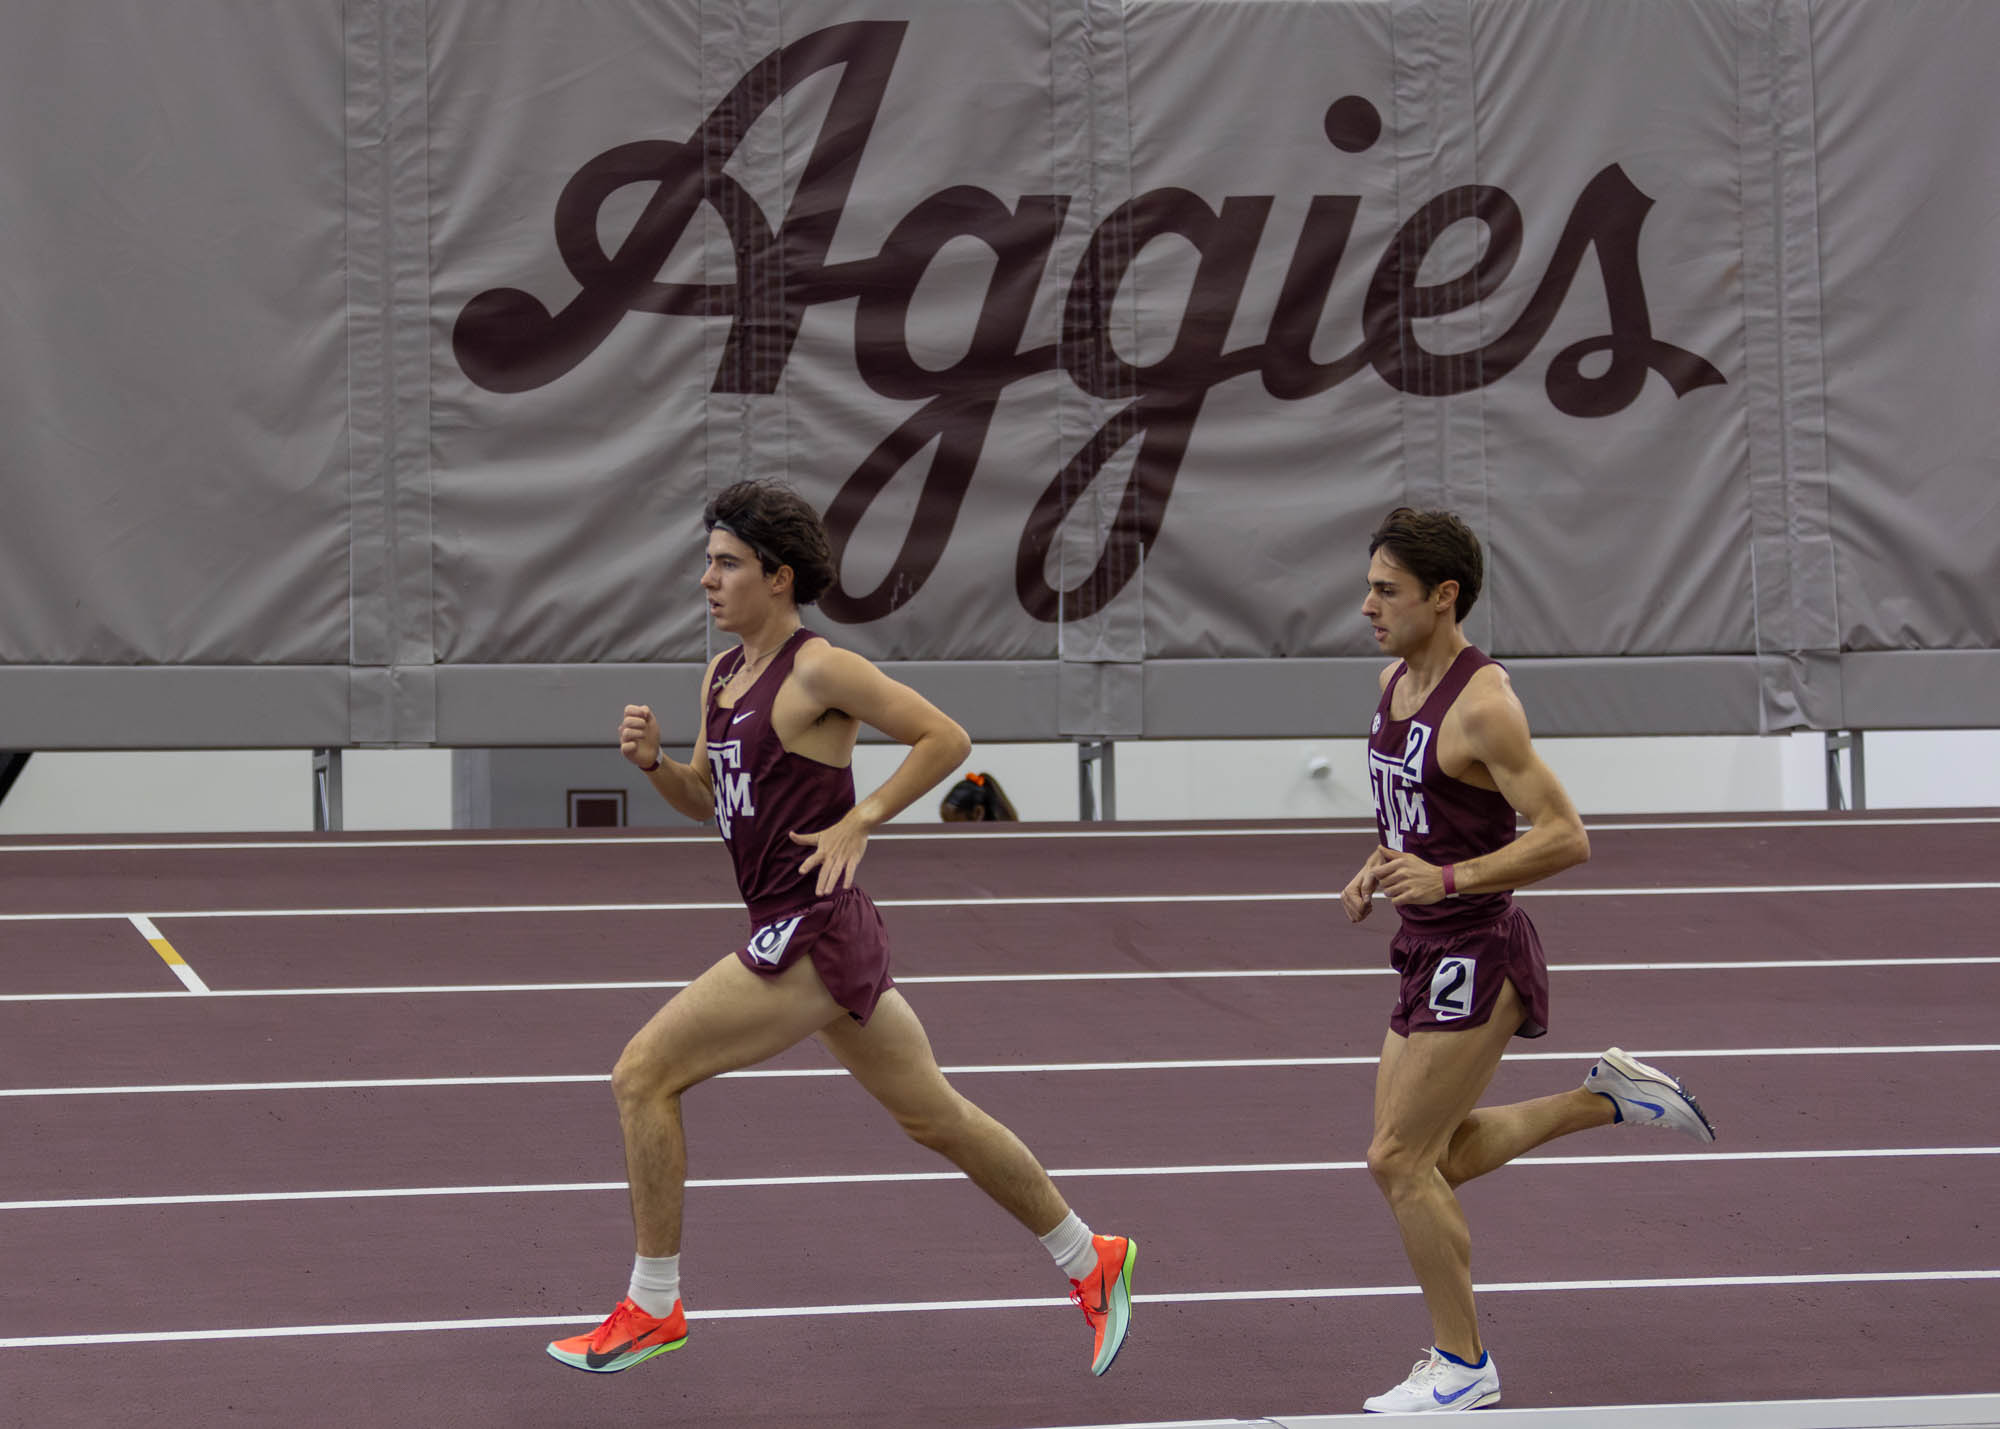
(327,816)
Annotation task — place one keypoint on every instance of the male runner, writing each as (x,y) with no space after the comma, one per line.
(780,713)
(1451,764)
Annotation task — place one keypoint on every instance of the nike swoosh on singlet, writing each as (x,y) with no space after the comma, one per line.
(740,718)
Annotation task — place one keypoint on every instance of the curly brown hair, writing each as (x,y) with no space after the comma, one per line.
(1435,547)
(777,523)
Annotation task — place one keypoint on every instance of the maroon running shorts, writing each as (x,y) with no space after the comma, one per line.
(842,934)
(1452,980)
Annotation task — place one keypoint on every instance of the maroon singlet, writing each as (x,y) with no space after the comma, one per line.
(1422,810)
(763,791)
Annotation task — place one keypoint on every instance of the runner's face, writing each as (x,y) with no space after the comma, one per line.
(1397,609)
(739,594)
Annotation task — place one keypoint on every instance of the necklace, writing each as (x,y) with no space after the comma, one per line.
(722,682)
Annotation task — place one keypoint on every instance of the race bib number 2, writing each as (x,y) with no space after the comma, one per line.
(767,944)
(1451,988)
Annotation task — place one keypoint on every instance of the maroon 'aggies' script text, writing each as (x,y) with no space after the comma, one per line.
(506,340)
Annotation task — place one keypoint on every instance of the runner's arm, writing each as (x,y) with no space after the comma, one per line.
(689,787)
(842,680)
(1496,730)
(838,679)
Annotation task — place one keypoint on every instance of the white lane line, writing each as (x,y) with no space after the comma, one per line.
(883,1178)
(1180,1065)
(453,910)
(946,979)
(1024,901)
(1935,1411)
(652,840)
(985,835)
(1730,888)
(190,979)
(1212,1297)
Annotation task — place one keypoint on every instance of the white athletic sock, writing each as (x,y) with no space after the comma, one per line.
(656,1284)
(1070,1244)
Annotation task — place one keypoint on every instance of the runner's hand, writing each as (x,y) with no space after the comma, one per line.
(1357,899)
(836,853)
(1408,880)
(639,735)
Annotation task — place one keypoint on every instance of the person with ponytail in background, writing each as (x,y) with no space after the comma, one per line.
(977,799)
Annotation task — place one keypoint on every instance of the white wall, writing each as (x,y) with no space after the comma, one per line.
(1939,768)
(1272,778)
(163,792)
(210,792)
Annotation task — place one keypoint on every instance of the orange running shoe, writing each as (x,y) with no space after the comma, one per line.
(1105,1296)
(628,1336)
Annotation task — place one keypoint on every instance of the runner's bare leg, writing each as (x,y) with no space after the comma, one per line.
(1425,1088)
(727,1018)
(1494,1135)
(891,1057)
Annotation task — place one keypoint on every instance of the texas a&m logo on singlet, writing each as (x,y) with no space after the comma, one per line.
(1397,785)
(732,784)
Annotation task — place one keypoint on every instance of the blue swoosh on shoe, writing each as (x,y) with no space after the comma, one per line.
(1456,1394)
(1655,1108)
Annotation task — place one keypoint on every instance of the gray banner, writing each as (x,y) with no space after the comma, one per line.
(378,357)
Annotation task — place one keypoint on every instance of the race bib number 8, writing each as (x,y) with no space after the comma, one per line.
(1451,988)
(767,944)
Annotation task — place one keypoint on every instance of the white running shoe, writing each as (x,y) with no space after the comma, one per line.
(1440,1386)
(1646,1095)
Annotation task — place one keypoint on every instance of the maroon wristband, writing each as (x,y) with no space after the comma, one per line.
(1450,883)
(659,758)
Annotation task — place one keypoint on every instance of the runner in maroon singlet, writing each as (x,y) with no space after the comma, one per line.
(1451,765)
(780,713)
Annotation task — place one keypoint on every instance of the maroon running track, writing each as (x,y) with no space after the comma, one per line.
(1827,986)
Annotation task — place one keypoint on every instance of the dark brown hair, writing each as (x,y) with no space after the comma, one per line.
(774,521)
(1435,547)
(977,798)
